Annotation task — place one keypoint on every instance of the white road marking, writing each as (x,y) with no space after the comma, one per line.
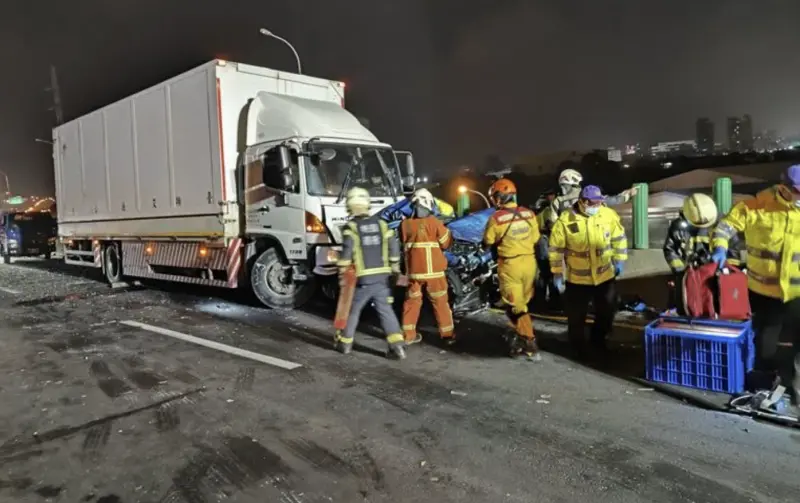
(9,290)
(269,360)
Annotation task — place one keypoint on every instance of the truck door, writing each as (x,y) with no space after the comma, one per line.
(274,203)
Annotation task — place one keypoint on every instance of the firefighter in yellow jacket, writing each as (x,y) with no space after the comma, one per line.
(771,226)
(589,240)
(513,232)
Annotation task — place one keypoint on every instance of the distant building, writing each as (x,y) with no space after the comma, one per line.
(747,133)
(704,136)
(740,134)
(734,134)
(614,154)
(767,141)
(666,148)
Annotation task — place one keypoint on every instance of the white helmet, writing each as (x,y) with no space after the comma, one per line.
(570,177)
(424,198)
(357,201)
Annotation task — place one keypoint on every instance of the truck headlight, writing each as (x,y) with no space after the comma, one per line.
(12,243)
(333,255)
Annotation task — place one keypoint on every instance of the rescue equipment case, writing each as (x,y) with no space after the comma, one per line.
(707,292)
(712,355)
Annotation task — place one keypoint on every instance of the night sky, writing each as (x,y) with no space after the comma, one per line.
(453,80)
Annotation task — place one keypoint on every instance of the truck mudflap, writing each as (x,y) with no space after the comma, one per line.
(187,262)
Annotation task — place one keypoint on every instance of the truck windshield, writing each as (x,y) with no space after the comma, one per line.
(39,222)
(373,168)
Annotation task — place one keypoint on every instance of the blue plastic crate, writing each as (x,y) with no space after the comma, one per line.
(705,354)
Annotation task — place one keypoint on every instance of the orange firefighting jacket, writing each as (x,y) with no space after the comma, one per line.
(423,242)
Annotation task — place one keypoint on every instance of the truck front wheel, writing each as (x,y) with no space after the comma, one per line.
(273,285)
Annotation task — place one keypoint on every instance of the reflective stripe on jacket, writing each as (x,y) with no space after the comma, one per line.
(771,226)
(513,229)
(370,246)
(590,244)
(687,244)
(423,242)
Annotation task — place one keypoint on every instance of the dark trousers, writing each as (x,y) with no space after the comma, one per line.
(577,299)
(546,291)
(380,295)
(771,317)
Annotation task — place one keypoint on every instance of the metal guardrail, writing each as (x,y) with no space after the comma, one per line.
(658,220)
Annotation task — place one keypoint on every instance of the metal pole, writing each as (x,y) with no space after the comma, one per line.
(8,186)
(485,199)
(56,96)
(268,33)
(641,225)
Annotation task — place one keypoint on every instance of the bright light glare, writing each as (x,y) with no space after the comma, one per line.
(462,190)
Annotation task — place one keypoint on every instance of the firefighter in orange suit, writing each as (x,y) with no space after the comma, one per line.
(424,237)
(512,231)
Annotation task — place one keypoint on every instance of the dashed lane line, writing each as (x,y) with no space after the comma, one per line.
(9,290)
(269,360)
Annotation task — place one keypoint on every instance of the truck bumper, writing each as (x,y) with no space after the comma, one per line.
(325,259)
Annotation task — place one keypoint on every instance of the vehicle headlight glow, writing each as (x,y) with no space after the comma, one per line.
(333,255)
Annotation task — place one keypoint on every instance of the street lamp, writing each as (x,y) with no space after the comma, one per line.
(268,33)
(463,190)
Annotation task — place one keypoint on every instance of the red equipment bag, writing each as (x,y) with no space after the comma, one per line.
(698,297)
(708,292)
(733,297)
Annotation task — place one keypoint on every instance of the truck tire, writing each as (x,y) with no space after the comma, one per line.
(273,287)
(112,263)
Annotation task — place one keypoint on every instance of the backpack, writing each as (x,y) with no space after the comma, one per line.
(708,292)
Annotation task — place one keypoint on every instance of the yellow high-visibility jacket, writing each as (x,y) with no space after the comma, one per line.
(590,245)
(445,209)
(771,226)
(513,230)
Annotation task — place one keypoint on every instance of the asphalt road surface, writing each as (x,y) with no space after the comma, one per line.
(107,397)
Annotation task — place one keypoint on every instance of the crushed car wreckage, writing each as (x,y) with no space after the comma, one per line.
(471,272)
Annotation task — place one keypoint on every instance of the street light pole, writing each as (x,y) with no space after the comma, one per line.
(8,186)
(268,33)
(464,190)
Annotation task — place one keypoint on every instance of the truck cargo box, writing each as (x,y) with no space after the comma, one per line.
(161,163)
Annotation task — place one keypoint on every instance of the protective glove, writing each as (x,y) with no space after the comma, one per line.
(558,282)
(719,256)
(618,268)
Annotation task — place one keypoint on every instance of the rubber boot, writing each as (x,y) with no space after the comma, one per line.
(343,348)
(396,352)
(449,341)
(531,350)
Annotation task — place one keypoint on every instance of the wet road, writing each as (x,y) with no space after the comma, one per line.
(107,398)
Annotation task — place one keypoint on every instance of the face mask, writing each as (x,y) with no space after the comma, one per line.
(592,211)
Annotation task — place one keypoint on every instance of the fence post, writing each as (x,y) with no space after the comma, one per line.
(463,204)
(723,195)
(641,225)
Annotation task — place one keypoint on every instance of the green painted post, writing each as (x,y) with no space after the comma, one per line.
(463,204)
(723,195)
(641,225)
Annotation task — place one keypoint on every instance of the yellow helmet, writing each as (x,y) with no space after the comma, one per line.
(357,201)
(700,210)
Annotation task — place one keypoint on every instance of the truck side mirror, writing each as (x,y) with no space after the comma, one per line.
(288,180)
(406,162)
(285,156)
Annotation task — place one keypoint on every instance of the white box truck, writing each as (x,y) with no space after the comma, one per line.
(227,175)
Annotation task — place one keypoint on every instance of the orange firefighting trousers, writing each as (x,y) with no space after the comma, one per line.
(436,288)
(516,277)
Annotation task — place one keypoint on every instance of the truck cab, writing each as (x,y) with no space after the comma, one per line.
(304,158)
(27,234)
